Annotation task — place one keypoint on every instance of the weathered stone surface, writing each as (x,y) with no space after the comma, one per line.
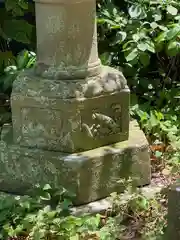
(66,39)
(109,81)
(92,175)
(173,229)
(70,116)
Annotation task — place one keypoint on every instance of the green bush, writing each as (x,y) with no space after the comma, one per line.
(14,30)
(17,32)
(143,39)
(48,216)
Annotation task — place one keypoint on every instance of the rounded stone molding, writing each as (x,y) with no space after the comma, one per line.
(69,73)
(67,39)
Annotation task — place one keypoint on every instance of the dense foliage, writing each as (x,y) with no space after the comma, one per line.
(17,30)
(17,33)
(143,39)
(48,216)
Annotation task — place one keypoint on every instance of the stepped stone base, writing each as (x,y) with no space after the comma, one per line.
(91,175)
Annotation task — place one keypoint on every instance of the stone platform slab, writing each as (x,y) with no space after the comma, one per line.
(91,175)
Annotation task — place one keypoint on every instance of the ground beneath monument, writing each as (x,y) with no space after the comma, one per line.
(148,219)
(163,175)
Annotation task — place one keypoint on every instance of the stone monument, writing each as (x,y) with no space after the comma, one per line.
(70,114)
(173,217)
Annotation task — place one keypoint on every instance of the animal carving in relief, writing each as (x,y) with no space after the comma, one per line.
(104,120)
(102,125)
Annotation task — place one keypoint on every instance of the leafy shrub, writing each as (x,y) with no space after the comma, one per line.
(23,60)
(48,216)
(143,39)
(15,30)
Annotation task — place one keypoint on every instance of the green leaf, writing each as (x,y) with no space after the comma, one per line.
(105,58)
(100,20)
(129,70)
(18,30)
(143,203)
(10,4)
(159,47)
(142,46)
(16,7)
(76,237)
(121,36)
(144,59)
(136,37)
(153,120)
(51,214)
(172,33)
(66,204)
(150,46)
(172,10)
(8,81)
(22,59)
(157,17)
(46,197)
(132,56)
(161,37)
(163,28)
(136,11)
(110,22)
(159,115)
(17,11)
(104,234)
(173,48)
(7,58)
(154,25)
(47,187)
(128,45)
(39,234)
(23,4)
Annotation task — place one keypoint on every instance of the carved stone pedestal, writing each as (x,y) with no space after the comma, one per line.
(70,116)
(91,175)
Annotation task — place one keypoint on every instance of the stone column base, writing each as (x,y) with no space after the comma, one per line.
(91,175)
(73,115)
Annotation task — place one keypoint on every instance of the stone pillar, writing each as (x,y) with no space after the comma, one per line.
(67,39)
(70,114)
(173,229)
(77,104)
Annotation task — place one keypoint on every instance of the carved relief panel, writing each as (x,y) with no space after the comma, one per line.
(102,122)
(72,125)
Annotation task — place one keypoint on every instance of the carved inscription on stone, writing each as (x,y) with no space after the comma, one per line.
(102,122)
(55,24)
